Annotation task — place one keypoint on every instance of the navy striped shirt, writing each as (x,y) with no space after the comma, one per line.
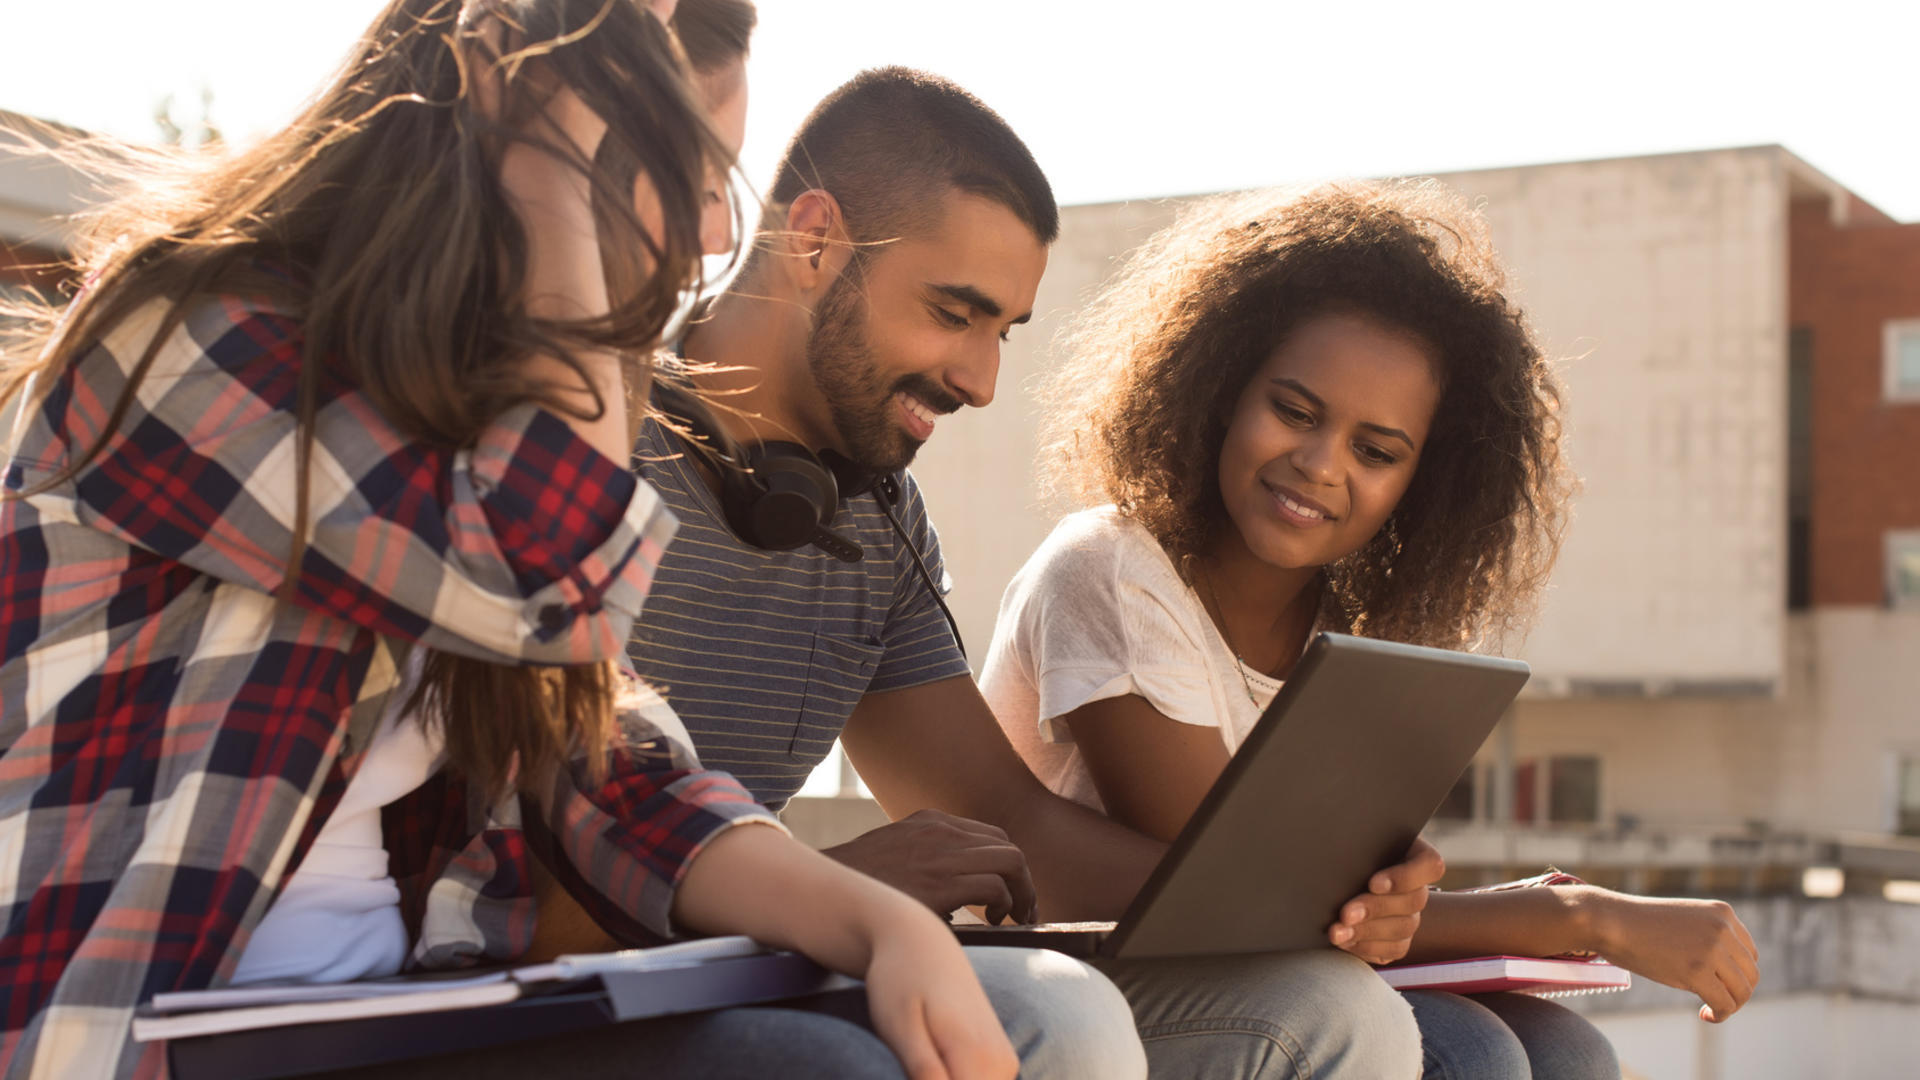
(764,654)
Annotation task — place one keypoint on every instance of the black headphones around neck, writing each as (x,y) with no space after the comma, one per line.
(780,496)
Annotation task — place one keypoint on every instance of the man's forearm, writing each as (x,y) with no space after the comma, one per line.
(1085,865)
(937,746)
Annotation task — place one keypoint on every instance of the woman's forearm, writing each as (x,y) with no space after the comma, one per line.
(1696,945)
(758,881)
(1545,920)
(922,995)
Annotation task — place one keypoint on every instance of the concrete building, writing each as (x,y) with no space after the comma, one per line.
(1727,666)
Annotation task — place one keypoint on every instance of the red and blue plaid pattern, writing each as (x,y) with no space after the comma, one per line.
(171,737)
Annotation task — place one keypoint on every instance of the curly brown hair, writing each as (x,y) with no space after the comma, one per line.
(1138,410)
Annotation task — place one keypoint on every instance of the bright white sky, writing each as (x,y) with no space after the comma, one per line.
(1124,100)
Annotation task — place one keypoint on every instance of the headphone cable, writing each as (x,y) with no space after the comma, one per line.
(885,491)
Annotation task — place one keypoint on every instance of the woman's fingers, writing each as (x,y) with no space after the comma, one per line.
(1378,925)
(1718,998)
(1749,963)
(1399,928)
(1379,952)
(1739,991)
(1724,989)
(1377,912)
(1740,929)
(903,1027)
(1366,908)
(1745,952)
(1423,867)
(1381,941)
(970,1054)
(927,1005)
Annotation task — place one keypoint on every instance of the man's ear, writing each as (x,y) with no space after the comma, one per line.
(815,246)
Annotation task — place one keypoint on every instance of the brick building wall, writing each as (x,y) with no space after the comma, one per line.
(1845,283)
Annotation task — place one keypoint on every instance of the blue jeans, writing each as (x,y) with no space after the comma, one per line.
(732,1044)
(1508,1037)
(1064,1019)
(1272,1016)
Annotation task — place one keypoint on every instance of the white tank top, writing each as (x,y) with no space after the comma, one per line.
(338,917)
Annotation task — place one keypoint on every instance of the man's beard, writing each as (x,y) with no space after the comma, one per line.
(859,397)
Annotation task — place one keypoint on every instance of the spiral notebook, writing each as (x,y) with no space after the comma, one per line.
(1545,977)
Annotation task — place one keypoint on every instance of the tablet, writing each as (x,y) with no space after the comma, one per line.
(1333,784)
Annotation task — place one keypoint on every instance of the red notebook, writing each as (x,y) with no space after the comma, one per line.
(1522,974)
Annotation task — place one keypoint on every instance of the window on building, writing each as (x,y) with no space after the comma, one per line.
(1903,570)
(1526,781)
(1799,467)
(1573,790)
(1557,791)
(1907,798)
(1903,360)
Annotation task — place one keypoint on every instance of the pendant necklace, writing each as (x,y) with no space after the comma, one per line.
(1239,662)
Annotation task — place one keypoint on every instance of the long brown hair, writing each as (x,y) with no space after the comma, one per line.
(714,33)
(377,218)
(1138,411)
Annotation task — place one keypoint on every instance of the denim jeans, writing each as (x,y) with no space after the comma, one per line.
(1508,1037)
(1064,1019)
(732,1044)
(1273,1016)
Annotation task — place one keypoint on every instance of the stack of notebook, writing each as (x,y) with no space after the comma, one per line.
(1521,974)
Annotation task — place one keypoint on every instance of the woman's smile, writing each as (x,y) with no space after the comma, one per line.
(1297,508)
(1325,438)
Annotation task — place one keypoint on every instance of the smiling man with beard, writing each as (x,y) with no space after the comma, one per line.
(905,236)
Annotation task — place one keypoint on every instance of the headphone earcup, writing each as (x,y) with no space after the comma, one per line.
(776,496)
(795,498)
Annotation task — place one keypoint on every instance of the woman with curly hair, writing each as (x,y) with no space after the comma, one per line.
(1301,412)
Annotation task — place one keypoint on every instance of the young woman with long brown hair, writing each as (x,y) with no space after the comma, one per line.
(1300,412)
(335,435)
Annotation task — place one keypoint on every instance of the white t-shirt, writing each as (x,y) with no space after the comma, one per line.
(1100,611)
(338,917)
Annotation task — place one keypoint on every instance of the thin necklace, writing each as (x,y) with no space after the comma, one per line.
(1239,662)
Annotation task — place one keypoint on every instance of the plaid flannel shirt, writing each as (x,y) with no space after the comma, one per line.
(171,738)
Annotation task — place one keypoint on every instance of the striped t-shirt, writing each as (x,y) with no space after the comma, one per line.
(764,654)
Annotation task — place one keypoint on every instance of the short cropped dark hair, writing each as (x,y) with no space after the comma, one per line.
(890,142)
